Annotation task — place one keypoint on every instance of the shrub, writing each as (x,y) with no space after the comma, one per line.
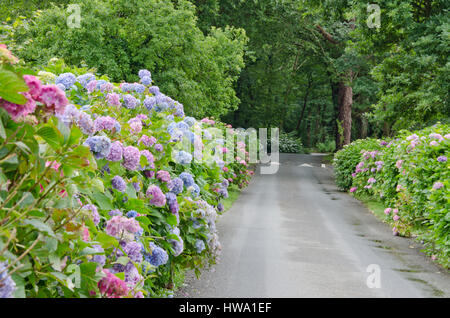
(327,146)
(289,143)
(347,158)
(98,197)
(410,175)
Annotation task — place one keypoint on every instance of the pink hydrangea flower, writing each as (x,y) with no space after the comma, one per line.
(34,84)
(112,286)
(396,217)
(353,189)
(113,99)
(131,157)
(53,98)
(16,111)
(119,224)
(387,211)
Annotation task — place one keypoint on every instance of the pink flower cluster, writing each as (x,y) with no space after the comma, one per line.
(112,286)
(118,224)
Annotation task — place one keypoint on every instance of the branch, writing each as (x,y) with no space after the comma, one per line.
(326,35)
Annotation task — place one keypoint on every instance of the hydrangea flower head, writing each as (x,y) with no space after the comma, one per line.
(156,196)
(187,178)
(99,145)
(175,185)
(131,156)
(112,286)
(66,79)
(143,73)
(163,175)
(119,184)
(158,256)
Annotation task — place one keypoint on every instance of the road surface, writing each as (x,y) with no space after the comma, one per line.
(293,234)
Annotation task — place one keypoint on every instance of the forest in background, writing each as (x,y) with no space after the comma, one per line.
(320,70)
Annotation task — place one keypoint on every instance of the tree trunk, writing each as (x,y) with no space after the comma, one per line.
(345,113)
(305,101)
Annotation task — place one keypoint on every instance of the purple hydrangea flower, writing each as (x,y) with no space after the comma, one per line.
(105,123)
(163,175)
(442,158)
(85,79)
(136,186)
(116,151)
(85,123)
(156,196)
(145,140)
(150,159)
(119,184)
(113,99)
(220,207)
(94,213)
(172,202)
(130,101)
(114,213)
(135,125)
(438,185)
(159,147)
(131,156)
(133,250)
(177,244)
(154,90)
(99,145)
(99,258)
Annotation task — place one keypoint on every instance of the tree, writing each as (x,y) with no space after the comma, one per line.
(121,37)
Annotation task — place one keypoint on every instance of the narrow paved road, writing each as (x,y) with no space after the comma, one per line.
(293,234)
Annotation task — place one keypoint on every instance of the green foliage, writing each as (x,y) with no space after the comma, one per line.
(120,37)
(327,146)
(289,143)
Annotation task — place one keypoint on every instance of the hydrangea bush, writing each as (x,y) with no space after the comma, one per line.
(97,198)
(410,175)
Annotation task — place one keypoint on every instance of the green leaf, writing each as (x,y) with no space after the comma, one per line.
(102,200)
(50,135)
(171,220)
(39,225)
(10,86)
(2,130)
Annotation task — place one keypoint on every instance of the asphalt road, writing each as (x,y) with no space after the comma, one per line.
(293,234)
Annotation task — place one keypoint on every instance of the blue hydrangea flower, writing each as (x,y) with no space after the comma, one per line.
(85,79)
(195,190)
(7,285)
(161,107)
(200,246)
(133,250)
(139,88)
(176,185)
(220,207)
(127,87)
(157,257)
(149,102)
(61,86)
(182,157)
(177,244)
(190,121)
(66,79)
(182,125)
(132,214)
(187,178)
(146,80)
(154,90)
(99,145)
(143,73)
